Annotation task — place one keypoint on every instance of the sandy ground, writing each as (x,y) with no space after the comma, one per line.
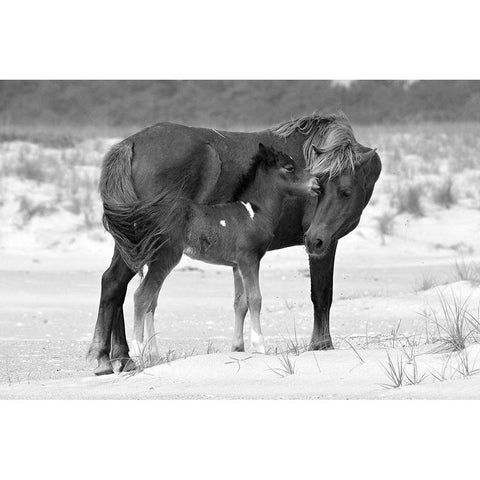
(50,299)
(53,252)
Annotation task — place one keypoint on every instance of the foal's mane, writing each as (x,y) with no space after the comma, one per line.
(333,137)
(249,176)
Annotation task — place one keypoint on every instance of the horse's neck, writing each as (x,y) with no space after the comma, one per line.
(267,199)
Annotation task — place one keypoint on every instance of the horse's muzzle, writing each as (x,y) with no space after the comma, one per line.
(317,245)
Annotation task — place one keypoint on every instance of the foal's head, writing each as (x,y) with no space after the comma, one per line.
(284,174)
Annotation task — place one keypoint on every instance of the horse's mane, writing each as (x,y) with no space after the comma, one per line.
(333,137)
(249,176)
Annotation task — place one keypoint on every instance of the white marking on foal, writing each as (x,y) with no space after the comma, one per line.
(136,349)
(223,223)
(249,209)
(257,341)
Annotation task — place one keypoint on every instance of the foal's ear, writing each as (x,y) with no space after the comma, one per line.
(268,154)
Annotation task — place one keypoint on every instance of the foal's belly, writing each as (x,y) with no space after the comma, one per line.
(203,256)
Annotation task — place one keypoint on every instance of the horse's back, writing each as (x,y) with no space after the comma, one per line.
(168,154)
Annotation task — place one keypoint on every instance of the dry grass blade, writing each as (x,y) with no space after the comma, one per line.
(362,361)
(466,367)
(287,367)
(395,371)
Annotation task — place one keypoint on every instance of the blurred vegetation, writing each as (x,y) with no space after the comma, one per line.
(96,108)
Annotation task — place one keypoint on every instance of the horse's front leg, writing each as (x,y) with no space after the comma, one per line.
(321,278)
(241,308)
(249,269)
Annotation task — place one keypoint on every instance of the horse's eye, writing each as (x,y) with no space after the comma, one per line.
(345,193)
(289,168)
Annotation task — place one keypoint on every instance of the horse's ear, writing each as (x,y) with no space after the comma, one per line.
(372,166)
(367,156)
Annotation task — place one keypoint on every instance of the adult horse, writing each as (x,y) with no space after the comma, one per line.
(209,165)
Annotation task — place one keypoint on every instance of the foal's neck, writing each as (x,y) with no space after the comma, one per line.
(265,197)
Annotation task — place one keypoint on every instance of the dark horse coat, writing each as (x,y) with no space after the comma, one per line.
(209,165)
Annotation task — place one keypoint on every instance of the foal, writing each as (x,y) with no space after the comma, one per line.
(234,234)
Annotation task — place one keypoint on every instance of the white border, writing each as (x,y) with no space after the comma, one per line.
(251,39)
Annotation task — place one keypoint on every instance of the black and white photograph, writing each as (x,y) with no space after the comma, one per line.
(264,250)
(243,218)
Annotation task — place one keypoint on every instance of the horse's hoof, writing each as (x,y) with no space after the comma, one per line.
(103,368)
(238,348)
(321,345)
(123,364)
(129,366)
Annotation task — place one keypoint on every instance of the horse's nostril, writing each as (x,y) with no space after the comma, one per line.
(318,242)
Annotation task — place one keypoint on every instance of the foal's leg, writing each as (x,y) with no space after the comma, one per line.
(249,268)
(240,307)
(145,299)
(151,338)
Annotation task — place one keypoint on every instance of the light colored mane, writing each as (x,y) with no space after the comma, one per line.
(332,135)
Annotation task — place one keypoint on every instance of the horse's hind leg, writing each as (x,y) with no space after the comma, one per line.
(249,271)
(108,337)
(240,307)
(146,301)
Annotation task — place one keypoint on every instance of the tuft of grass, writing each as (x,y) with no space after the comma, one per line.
(409,348)
(395,371)
(413,376)
(443,193)
(287,367)
(467,272)
(395,333)
(402,374)
(465,366)
(211,348)
(28,209)
(295,345)
(426,283)
(441,375)
(407,199)
(385,225)
(454,323)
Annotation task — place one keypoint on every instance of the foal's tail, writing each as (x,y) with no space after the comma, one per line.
(140,227)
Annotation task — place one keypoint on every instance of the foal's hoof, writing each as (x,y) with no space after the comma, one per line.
(104,368)
(258,349)
(238,348)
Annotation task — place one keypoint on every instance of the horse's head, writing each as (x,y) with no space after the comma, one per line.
(285,174)
(340,203)
(347,171)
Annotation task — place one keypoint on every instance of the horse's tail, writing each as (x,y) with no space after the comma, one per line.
(139,227)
